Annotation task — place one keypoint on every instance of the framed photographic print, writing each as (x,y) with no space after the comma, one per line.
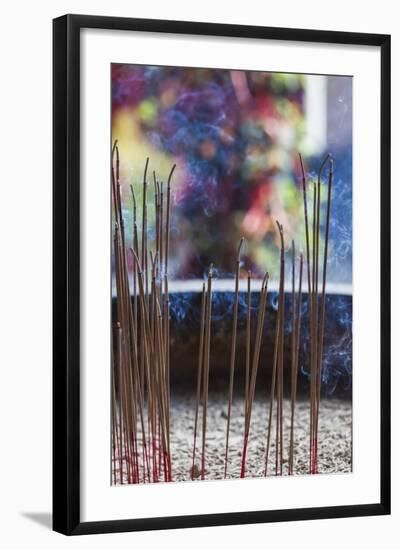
(221,274)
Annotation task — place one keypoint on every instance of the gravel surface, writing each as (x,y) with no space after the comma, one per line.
(335,437)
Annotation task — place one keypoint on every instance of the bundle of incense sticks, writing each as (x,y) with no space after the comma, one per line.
(277,381)
(203,371)
(141,353)
(140,380)
(316,301)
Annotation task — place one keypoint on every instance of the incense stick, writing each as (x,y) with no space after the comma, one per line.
(277,369)
(322,317)
(314,405)
(279,409)
(168,219)
(293,359)
(295,363)
(306,223)
(312,336)
(248,342)
(206,367)
(233,354)
(199,374)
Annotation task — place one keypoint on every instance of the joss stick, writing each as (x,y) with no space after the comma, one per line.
(295,343)
(144,227)
(323,301)
(156,263)
(311,301)
(199,374)
(313,330)
(164,347)
(134,246)
(167,239)
(233,354)
(159,237)
(254,368)
(279,408)
(248,342)
(306,224)
(161,227)
(293,351)
(166,297)
(114,183)
(146,256)
(158,412)
(168,218)
(157,213)
(119,204)
(311,290)
(159,366)
(166,342)
(154,382)
(133,205)
(276,378)
(143,265)
(206,367)
(316,227)
(318,220)
(135,300)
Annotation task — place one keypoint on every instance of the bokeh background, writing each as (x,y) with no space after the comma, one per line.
(235,137)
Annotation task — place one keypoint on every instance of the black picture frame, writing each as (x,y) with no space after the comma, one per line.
(66,273)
